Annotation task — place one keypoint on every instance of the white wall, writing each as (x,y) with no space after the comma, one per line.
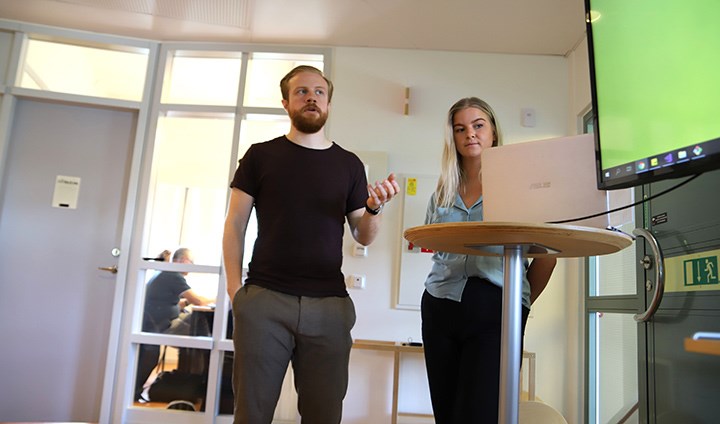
(367,115)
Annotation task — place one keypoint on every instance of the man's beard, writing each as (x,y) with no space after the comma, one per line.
(308,124)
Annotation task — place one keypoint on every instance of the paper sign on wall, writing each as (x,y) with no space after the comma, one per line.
(411,186)
(66,192)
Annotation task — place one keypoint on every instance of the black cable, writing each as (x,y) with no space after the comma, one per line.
(654,196)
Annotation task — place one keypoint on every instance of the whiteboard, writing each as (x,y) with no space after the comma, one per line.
(415,262)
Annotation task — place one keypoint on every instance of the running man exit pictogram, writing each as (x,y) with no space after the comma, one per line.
(701,271)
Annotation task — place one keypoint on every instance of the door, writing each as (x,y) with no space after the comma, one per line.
(682,386)
(55,317)
(641,371)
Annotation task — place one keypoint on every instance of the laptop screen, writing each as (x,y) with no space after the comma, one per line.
(543,181)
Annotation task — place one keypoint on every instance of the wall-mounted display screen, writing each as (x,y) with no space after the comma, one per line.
(655,73)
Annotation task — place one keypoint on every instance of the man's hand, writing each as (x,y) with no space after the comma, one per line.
(382,192)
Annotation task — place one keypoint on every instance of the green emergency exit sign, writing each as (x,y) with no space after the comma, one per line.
(701,271)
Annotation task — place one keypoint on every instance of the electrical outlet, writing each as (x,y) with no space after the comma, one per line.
(355,281)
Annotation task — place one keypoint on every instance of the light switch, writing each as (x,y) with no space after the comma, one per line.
(359,250)
(528,117)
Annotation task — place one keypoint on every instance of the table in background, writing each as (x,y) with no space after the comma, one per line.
(707,346)
(397,348)
(514,242)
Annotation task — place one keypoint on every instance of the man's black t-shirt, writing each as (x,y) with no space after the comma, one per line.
(302,197)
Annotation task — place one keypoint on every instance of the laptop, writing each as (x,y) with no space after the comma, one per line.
(543,181)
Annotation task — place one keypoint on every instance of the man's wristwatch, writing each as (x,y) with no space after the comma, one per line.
(374,211)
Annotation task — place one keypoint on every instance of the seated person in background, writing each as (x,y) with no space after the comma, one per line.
(164,295)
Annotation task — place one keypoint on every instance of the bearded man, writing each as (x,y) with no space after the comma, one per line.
(293,307)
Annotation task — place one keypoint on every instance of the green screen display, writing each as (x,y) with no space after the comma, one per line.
(656,87)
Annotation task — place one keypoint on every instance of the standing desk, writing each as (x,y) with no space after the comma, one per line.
(515,241)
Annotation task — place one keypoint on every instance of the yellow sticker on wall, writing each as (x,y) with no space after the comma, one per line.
(411,186)
(695,272)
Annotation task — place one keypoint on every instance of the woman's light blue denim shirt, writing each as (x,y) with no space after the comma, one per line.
(450,271)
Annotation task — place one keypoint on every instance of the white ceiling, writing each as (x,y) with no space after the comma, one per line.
(551,27)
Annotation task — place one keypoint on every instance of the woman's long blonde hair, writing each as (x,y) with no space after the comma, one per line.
(451,174)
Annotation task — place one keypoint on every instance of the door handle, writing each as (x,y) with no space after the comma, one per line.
(659,275)
(111,269)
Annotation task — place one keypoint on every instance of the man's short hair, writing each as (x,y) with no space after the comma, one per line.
(181,254)
(285,82)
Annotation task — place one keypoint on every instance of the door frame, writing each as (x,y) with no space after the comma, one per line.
(115,344)
(8,104)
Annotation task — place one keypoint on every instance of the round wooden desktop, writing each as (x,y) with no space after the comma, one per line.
(515,241)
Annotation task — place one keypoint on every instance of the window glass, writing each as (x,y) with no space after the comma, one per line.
(588,122)
(614,274)
(164,311)
(257,128)
(227,401)
(88,71)
(265,70)
(202,78)
(193,160)
(160,367)
(613,368)
(190,184)
(173,377)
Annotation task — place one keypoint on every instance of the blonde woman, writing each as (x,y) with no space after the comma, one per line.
(462,302)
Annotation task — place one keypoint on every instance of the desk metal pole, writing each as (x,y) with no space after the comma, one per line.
(511,335)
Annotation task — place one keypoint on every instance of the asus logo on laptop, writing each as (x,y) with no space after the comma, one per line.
(535,186)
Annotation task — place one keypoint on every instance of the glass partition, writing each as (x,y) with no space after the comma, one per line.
(173,377)
(257,128)
(202,78)
(265,70)
(110,72)
(179,317)
(613,369)
(189,184)
(612,275)
(201,132)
